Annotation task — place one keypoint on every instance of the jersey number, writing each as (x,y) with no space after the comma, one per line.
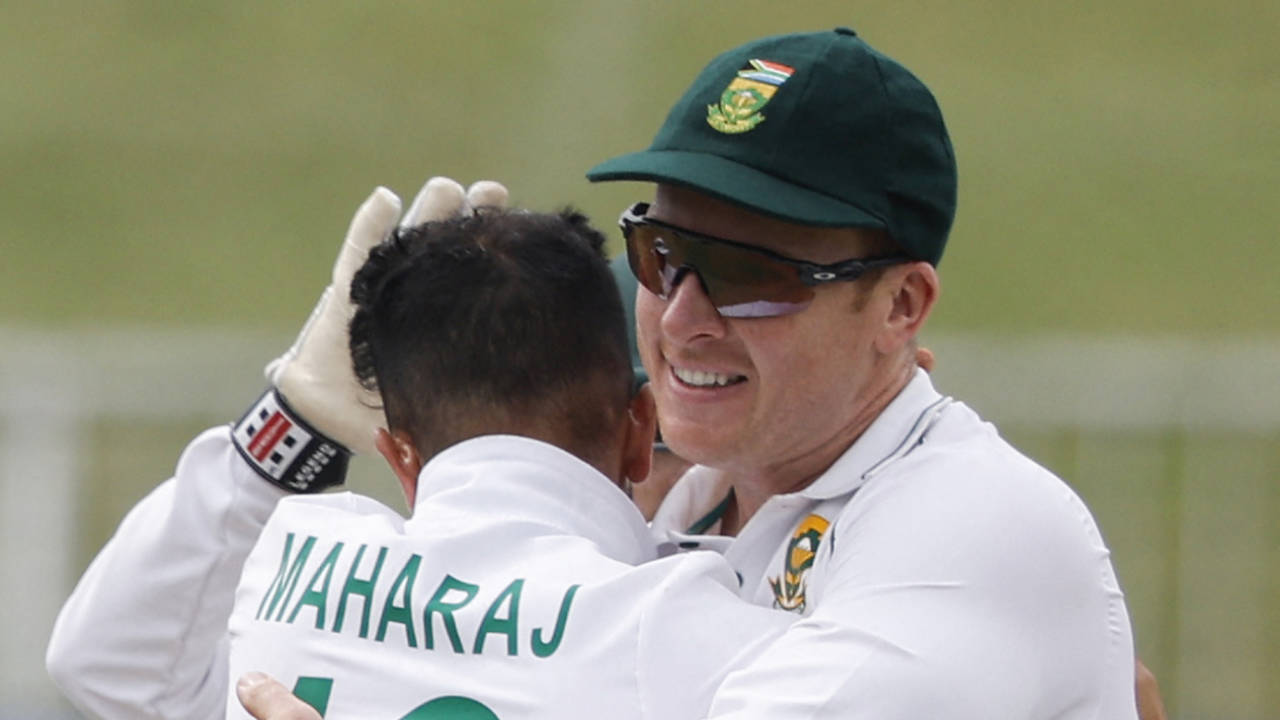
(315,691)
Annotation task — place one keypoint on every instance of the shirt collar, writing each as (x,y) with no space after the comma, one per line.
(698,500)
(520,480)
(694,505)
(895,432)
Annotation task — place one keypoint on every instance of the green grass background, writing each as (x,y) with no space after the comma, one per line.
(168,162)
(195,164)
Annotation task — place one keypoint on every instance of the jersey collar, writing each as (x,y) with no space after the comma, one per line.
(697,502)
(532,484)
(898,430)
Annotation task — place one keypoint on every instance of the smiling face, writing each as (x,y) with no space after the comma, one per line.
(777,399)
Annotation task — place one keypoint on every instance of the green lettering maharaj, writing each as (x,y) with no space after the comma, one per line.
(509,625)
(317,597)
(544,649)
(437,604)
(402,614)
(363,588)
(286,578)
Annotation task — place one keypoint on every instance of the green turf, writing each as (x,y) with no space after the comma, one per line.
(171,162)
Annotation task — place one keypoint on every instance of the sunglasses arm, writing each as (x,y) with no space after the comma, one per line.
(811,274)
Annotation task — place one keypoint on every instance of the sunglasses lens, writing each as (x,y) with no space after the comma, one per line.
(739,282)
(742,283)
(647,259)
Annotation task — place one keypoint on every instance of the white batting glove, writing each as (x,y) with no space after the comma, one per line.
(299,435)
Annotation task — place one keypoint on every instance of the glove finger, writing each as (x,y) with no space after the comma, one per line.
(277,366)
(372,223)
(440,199)
(487,194)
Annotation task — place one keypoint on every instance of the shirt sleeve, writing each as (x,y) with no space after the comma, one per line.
(143,634)
(694,633)
(940,602)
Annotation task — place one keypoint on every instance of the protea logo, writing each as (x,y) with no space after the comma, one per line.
(789,589)
(747,94)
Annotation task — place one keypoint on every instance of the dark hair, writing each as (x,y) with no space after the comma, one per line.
(503,321)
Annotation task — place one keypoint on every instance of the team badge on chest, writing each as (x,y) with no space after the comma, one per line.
(789,588)
(747,94)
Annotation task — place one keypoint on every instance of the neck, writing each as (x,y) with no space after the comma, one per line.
(752,487)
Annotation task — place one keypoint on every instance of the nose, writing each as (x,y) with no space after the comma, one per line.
(689,313)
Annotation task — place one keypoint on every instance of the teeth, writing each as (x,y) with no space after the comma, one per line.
(698,378)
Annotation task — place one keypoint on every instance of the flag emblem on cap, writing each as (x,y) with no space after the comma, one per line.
(747,94)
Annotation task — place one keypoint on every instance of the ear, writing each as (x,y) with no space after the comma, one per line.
(914,289)
(403,458)
(642,428)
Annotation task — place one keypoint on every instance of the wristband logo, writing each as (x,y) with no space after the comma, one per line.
(285,451)
(747,94)
(270,439)
(789,588)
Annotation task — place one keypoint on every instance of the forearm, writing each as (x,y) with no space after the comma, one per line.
(142,635)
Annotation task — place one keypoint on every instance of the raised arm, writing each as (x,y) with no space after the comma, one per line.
(143,633)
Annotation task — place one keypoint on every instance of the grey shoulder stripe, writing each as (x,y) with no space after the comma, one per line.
(914,438)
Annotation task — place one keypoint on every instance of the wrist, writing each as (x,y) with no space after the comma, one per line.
(286,450)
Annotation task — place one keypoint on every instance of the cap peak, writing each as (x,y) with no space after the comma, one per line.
(814,130)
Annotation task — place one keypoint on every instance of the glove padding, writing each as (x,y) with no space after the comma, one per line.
(315,376)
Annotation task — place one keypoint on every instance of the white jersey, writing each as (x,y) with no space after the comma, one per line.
(143,635)
(936,572)
(512,592)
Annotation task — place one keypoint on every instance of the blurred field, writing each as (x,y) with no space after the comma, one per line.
(167,162)
(177,165)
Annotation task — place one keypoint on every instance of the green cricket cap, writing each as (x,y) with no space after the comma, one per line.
(812,128)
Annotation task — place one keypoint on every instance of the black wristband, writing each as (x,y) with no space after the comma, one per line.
(285,450)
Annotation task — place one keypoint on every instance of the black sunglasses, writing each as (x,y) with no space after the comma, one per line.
(742,281)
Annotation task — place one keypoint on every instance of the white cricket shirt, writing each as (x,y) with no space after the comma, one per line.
(936,571)
(512,592)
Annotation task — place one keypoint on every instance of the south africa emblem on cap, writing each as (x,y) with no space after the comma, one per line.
(751,90)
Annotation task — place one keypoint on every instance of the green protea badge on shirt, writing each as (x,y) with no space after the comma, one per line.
(789,588)
(747,94)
